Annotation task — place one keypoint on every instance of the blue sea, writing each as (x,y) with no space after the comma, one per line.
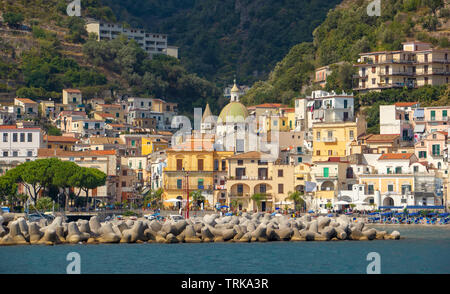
(421,250)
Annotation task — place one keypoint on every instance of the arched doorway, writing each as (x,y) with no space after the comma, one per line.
(327,186)
(369,200)
(388,201)
(179,203)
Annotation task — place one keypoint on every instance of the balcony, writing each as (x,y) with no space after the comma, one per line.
(329,139)
(249,178)
(325,176)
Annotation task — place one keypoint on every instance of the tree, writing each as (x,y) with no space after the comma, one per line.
(235,204)
(297,198)
(65,177)
(45,203)
(258,198)
(87,179)
(8,190)
(197,197)
(13,19)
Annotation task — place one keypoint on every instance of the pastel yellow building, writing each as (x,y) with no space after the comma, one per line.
(334,139)
(206,170)
(150,145)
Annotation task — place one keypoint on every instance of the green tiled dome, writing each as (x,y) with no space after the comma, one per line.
(235,111)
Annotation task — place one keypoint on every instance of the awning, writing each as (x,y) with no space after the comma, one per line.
(424,207)
(419,113)
(390,207)
(419,128)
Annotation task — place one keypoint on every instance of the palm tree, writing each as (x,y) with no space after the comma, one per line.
(235,204)
(297,198)
(258,198)
(197,197)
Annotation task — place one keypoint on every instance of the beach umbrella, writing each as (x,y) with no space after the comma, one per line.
(310,211)
(172,200)
(330,215)
(373,213)
(341,203)
(283,203)
(413,214)
(360,202)
(444,214)
(224,206)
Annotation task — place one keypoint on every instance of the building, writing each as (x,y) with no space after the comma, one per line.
(152,43)
(104,160)
(27,108)
(65,143)
(72,96)
(375,143)
(153,144)
(416,65)
(431,150)
(197,163)
(321,75)
(19,144)
(116,110)
(334,139)
(254,172)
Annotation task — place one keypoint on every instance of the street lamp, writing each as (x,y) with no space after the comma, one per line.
(187,193)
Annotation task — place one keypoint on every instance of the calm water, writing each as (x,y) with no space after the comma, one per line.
(424,250)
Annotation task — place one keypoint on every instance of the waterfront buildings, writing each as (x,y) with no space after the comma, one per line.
(418,64)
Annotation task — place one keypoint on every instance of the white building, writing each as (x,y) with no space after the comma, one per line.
(18,145)
(152,43)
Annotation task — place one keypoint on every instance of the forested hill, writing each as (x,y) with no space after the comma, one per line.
(43,50)
(221,38)
(346,32)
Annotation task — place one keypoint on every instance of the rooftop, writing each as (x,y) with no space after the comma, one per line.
(396,156)
(26,100)
(62,153)
(60,139)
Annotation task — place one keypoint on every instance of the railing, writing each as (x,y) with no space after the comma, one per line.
(191,187)
(329,139)
(248,178)
(325,176)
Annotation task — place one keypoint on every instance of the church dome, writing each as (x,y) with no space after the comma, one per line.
(233,112)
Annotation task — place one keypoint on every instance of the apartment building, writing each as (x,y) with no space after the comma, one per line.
(152,43)
(418,64)
(19,144)
(72,96)
(27,108)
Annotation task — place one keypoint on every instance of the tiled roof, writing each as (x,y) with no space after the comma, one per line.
(14,127)
(332,159)
(382,137)
(26,100)
(64,139)
(395,156)
(110,105)
(62,153)
(72,90)
(405,104)
(105,140)
(250,155)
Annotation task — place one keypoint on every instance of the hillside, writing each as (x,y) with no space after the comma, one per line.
(221,38)
(348,31)
(44,51)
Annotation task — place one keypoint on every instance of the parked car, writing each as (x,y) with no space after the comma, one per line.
(35,217)
(175,217)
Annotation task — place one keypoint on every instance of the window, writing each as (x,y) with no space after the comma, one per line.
(280,173)
(390,188)
(351,134)
(436,149)
(240,189)
(133,143)
(422,154)
(216,164)
(318,152)
(179,183)
(318,137)
(370,189)
(240,162)
(416,169)
(179,164)
(345,103)
(5,153)
(15,153)
(5,137)
(280,188)
(22,137)
(200,164)
(398,170)
(433,115)
(29,153)
(262,188)
(374,81)
(299,150)
(124,184)
(224,165)
(14,137)
(388,170)
(444,114)
(299,159)
(330,152)
(200,184)
(30,137)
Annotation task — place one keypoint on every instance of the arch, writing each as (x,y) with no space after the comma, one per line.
(178,204)
(369,200)
(327,186)
(346,198)
(300,188)
(235,192)
(259,188)
(388,201)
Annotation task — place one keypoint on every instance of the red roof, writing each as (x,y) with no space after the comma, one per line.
(395,156)
(64,139)
(62,153)
(405,104)
(26,100)
(14,127)
(72,90)
(269,105)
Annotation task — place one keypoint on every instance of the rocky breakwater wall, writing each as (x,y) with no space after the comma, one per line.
(257,227)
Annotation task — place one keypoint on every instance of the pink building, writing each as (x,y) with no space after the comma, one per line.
(431,149)
(431,119)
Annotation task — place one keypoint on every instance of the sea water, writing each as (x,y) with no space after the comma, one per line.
(421,250)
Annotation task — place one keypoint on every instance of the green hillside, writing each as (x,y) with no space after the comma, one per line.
(221,38)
